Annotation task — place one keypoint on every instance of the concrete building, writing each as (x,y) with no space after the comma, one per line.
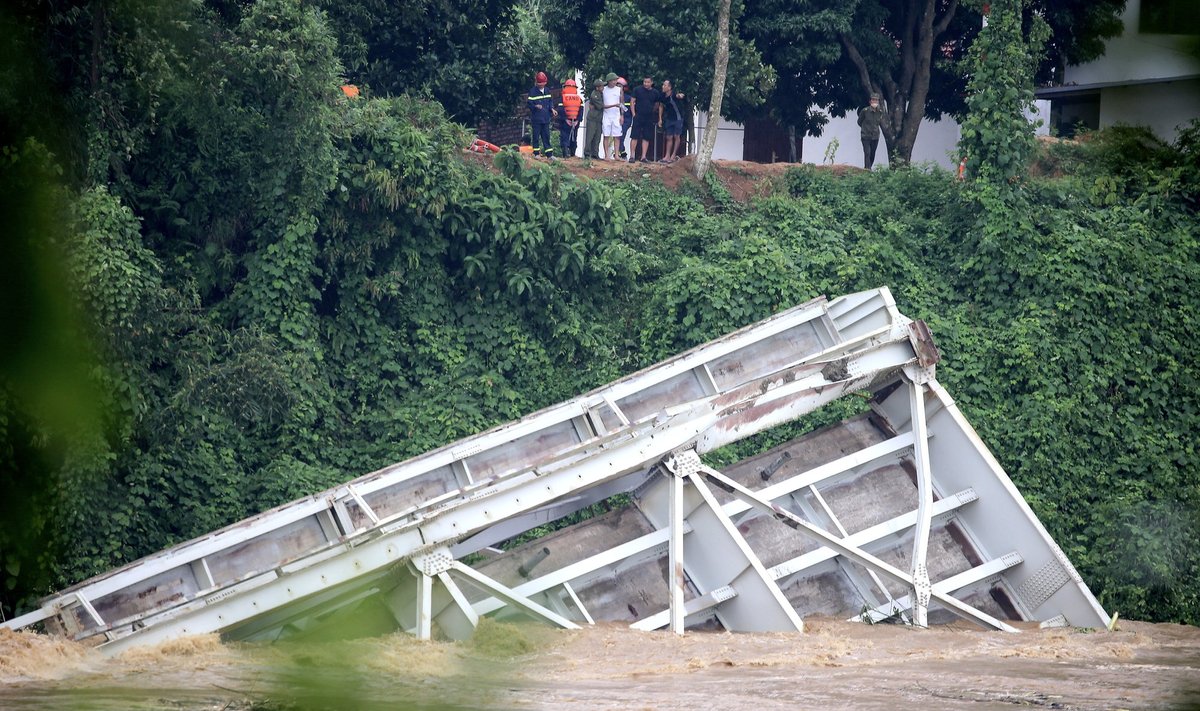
(1148,76)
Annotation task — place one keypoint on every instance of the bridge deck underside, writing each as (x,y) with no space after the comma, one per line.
(635,588)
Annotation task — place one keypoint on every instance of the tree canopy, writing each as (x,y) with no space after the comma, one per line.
(668,40)
(474,57)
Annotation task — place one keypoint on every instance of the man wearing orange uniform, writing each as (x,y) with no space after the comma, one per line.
(570,106)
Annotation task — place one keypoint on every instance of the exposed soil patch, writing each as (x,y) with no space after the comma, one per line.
(743,179)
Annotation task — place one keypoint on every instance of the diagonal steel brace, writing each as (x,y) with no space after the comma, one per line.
(853,553)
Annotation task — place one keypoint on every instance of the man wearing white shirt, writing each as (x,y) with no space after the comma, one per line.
(612,116)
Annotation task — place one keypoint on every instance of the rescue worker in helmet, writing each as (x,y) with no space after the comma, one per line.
(570,108)
(541,110)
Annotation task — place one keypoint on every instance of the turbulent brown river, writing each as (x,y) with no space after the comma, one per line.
(834,665)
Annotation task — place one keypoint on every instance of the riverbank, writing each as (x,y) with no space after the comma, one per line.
(834,665)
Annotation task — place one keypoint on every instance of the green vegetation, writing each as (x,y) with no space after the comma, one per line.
(271,289)
(997,140)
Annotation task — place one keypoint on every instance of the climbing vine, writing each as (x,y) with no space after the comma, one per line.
(997,137)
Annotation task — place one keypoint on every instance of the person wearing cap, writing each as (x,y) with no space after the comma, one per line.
(570,109)
(595,110)
(626,116)
(644,118)
(612,116)
(541,110)
(869,118)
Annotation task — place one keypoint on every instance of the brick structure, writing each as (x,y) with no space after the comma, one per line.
(505,132)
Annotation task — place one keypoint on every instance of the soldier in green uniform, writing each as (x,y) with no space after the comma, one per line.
(595,113)
(869,118)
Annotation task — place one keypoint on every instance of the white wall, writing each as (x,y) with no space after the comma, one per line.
(1134,56)
(1163,107)
(1041,113)
(937,141)
(729,137)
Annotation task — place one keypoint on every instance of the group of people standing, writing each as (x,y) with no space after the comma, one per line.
(613,112)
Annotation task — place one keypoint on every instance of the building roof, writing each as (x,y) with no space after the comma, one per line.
(1058,92)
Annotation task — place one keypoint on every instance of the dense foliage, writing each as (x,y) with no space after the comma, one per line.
(997,138)
(271,289)
(668,40)
(474,57)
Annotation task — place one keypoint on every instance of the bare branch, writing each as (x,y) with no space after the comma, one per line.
(864,75)
(946,19)
(893,89)
(910,22)
(909,43)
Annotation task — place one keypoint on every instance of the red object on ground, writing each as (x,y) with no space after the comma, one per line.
(481,146)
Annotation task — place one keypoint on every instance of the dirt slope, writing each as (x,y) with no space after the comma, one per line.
(743,179)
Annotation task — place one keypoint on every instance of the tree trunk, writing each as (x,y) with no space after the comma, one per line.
(720,64)
(905,87)
(97,42)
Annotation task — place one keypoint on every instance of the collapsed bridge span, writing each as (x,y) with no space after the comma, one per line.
(898,513)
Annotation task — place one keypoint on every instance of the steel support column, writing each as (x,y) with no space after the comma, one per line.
(675,585)
(921,587)
(424,605)
(720,557)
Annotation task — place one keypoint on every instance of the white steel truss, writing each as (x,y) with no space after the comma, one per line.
(898,509)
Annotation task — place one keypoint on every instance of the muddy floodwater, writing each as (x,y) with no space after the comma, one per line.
(835,665)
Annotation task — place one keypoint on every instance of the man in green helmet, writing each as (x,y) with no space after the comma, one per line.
(595,114)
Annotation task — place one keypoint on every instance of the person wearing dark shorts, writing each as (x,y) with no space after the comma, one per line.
(673,109)
(626,116)
(644,118)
